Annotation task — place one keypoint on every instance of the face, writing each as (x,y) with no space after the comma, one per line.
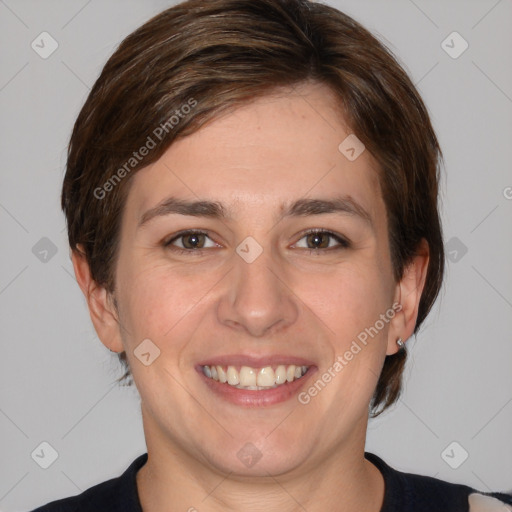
(273,283)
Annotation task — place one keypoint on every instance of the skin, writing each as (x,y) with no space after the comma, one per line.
(289,301)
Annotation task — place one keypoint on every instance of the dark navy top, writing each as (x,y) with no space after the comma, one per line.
(404,492)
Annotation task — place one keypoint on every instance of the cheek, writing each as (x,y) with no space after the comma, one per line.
(157,299)
(167,303)
(348,300)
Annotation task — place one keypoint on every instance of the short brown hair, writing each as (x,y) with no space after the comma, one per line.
(221,54)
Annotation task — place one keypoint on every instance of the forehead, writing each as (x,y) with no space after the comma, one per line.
(269,152)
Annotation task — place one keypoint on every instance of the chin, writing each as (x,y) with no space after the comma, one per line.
(258,454)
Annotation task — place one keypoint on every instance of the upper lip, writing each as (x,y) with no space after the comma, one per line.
(255,361)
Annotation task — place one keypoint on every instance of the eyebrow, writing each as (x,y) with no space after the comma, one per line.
(345,205)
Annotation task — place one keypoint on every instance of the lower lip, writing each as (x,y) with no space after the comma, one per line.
(257,398)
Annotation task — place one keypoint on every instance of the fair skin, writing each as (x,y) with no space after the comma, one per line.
(287,303)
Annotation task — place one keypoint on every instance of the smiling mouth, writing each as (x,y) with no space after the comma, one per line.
(256,379)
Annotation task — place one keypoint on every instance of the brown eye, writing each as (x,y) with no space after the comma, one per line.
(321,239)
(193,241)
(188,241)
(318,240)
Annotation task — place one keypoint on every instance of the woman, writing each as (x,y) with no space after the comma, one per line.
(251,198)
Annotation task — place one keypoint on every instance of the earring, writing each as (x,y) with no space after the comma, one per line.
(400,343)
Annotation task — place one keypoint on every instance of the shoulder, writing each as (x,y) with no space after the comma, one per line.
(407,492)
(115,495)
(488,502)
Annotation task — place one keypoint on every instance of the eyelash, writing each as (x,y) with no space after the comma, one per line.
(344,243)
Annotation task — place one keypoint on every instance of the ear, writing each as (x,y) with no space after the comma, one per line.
(100,302)
(408,294)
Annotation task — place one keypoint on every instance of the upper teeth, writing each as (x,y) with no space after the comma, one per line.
(255,378)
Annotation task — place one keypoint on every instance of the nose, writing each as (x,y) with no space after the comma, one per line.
(257,299)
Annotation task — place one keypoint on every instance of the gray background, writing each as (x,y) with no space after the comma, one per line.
(57,379)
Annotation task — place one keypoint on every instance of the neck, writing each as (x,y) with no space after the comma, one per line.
(343,481)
